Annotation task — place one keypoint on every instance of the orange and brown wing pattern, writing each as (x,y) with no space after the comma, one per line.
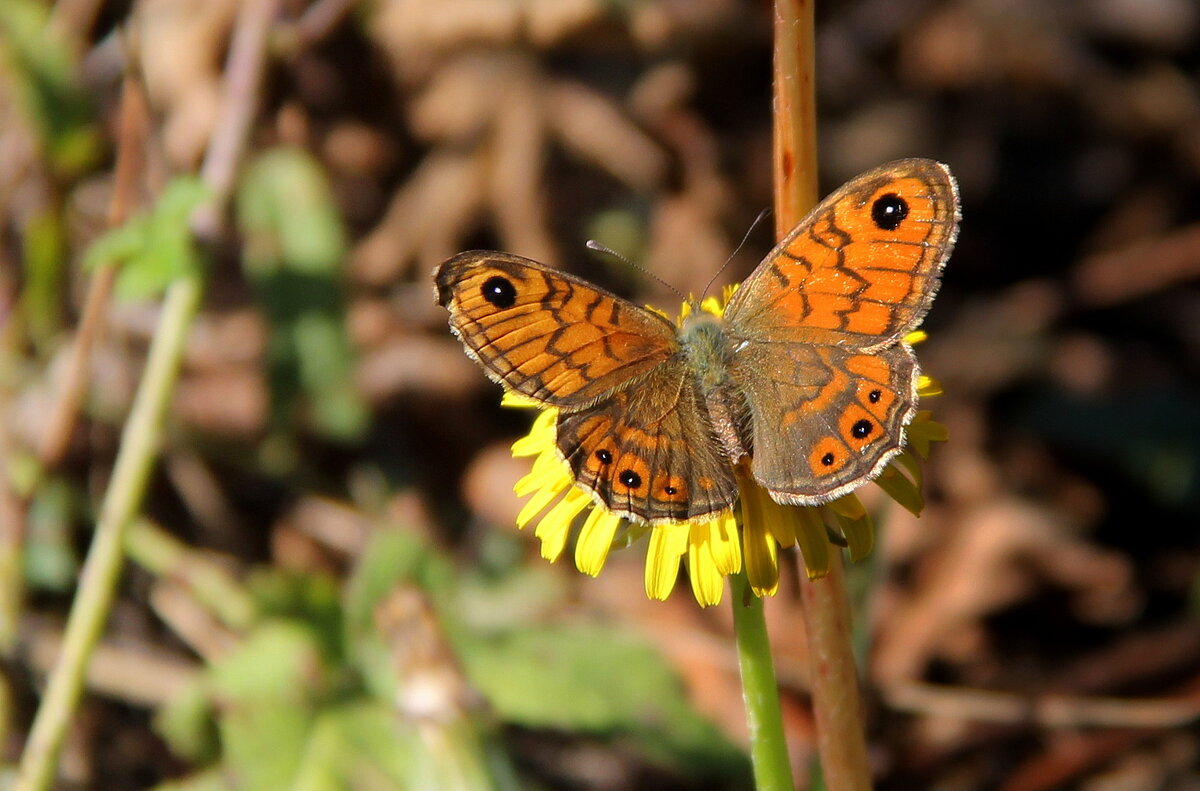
(824,419)
(648,452)
(862,268)
(546,334)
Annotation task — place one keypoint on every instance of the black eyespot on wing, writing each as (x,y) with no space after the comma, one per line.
(670,491)
(827,459)
(888,211)
(604,456)
(499,291)
(874,396)
(861,429)
(630,479)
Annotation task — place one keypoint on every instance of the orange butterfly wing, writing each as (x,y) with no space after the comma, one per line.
(823,419)
(815,331)
(649,452)
(546,334)
(862,268)
(632,425)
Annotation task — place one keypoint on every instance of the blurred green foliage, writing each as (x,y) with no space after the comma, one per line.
(309,697)
(293,249)
(42,71)
(155,247)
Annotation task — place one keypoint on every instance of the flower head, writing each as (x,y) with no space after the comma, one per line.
(750,534)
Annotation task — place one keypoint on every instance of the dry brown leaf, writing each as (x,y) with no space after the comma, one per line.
(424,220)
(989,562)
(600,132)
(516,183)
(182,44)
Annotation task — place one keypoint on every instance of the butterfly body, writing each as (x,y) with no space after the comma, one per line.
(805,375)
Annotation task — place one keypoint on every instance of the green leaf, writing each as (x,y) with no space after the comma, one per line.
(585,677)
(361,745)
(187,723)
(156,247)
(50,559)
(309,599)
(268,692)
(45,262)
(391,558)
(286,208)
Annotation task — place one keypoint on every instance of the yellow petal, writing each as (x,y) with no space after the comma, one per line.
(556,525)
(535,506)
(901,490)
(908,461)
(708,584)
(849,506)
(859,534)
(762,562)
(923,431)
(540,438)
(548,471)
(814,542)
(667,545)
(761,554)
(928,387)
(724,543)
(595,540)
(513,399)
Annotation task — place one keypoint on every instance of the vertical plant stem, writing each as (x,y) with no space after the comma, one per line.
(130,166)
(795,113)
(101,571)
(12,530)
(768,746)
(841,742)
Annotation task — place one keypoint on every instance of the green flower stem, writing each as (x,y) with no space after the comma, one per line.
(768,747)
(101,571)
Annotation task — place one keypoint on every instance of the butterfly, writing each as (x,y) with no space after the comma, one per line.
(805,377)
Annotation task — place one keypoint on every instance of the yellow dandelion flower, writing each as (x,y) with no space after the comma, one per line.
(750,535)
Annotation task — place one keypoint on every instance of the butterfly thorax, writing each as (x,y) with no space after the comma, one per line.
(706,346)
(703,340)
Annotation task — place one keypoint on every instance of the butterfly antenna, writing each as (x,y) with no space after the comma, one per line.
(762,215)
(592,244)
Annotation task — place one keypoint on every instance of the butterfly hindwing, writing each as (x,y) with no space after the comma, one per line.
(823,419)
(648,451)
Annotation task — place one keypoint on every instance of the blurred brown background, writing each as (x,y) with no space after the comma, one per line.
(1035,629)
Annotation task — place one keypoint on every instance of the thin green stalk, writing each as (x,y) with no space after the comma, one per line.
(101,571)
(768,746)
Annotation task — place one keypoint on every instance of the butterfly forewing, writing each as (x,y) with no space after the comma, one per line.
(862,268)
(546,334)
